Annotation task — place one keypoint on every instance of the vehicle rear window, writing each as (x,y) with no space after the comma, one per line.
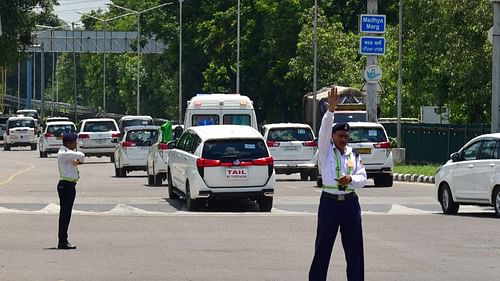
(142,137)
(290,134)
(344,117)
(99,126)
(136,122)
(237,119)
(232,149)
(3,120)
(29,114)
(367,135)
(58,130)
(21,123)
(205,119)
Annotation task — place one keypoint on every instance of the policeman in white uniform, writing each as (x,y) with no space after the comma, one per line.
(342,172)
(67,161)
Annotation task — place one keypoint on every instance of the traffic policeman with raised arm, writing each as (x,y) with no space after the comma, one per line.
(342,172)
(67,161)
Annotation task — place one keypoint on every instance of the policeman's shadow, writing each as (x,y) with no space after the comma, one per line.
(55,248)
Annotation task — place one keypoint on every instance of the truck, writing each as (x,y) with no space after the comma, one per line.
(351,107)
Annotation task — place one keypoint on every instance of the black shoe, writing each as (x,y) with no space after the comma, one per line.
(65,246)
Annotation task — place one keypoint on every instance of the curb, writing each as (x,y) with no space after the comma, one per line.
(413,178)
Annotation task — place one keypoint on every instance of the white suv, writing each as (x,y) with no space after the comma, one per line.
(293,147)
(132,151)
(97,137)
(221,161)
(51,139)
(20,131)
(371,142)
(470,177)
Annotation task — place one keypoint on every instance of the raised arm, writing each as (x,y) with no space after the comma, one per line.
(70,155)
(325,131)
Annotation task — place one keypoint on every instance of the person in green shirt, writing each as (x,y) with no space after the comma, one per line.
(166,132)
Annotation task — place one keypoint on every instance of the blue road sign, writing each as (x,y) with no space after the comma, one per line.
(372,24)
(372,45)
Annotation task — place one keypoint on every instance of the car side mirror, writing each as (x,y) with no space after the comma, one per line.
(455,157)
(114,140)
(172,144)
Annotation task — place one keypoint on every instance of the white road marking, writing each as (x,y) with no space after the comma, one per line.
(402,210)
(291,186)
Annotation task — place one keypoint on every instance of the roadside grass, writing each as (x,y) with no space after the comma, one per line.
(426,170)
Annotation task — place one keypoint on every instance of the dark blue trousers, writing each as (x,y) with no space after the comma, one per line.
(332,216)
(67,193)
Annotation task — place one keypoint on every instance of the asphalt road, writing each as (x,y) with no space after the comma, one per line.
(127,230)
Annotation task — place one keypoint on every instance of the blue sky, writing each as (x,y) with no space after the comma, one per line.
(67,9)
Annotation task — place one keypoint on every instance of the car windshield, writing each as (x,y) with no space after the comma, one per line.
(205,119)
(142,137)
(58,130)
(363,134)
(29,114)
(21,123)
(344,117)
(136,122)
(237,119)
(290,134)
(232,149)
(99,126)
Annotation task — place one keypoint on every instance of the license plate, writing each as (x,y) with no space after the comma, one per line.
(237,174)
(100,141)
(364,150)
(291,148)
(59,138)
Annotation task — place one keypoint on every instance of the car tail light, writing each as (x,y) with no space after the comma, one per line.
(128,144)
(83,136)
(382,145)
(48,135)
(201,163)
(269,161)
(115,135)
(163,146)
(273,144)
(310,144)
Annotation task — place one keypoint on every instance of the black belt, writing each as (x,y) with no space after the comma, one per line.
(339,197)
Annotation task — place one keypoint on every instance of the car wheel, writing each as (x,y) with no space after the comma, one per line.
(496,201)
(387,180)
(313,175)
(191,204)
(448,206)
(6,147)
(117,172)
(157,180)
(33,147)
(112,159)
(265,204)
(171,193)
(43,154)
(303,176)
(151,180)
(378,180)
(319,182)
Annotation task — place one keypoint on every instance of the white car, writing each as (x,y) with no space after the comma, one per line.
(371,142)
(97,137)
(51,139)
(221,161)
(293,147)
(20,131)
(471,176)
(132,151)
(158,158)
(133,120)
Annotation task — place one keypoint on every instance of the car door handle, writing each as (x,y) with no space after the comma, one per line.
(185,158)
(492,165)
(470,166)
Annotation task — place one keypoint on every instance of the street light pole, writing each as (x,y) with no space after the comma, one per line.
(400,71)
(180,61)
(74,73)
(138,14)
(495,97)
(315,64)
(238,53)
(105,21)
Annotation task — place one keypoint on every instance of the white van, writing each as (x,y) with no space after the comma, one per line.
(220,109)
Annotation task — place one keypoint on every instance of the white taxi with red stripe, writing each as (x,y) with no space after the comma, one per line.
(132,151)
(293,147)
(221,161)
(97,137)
(51,139)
